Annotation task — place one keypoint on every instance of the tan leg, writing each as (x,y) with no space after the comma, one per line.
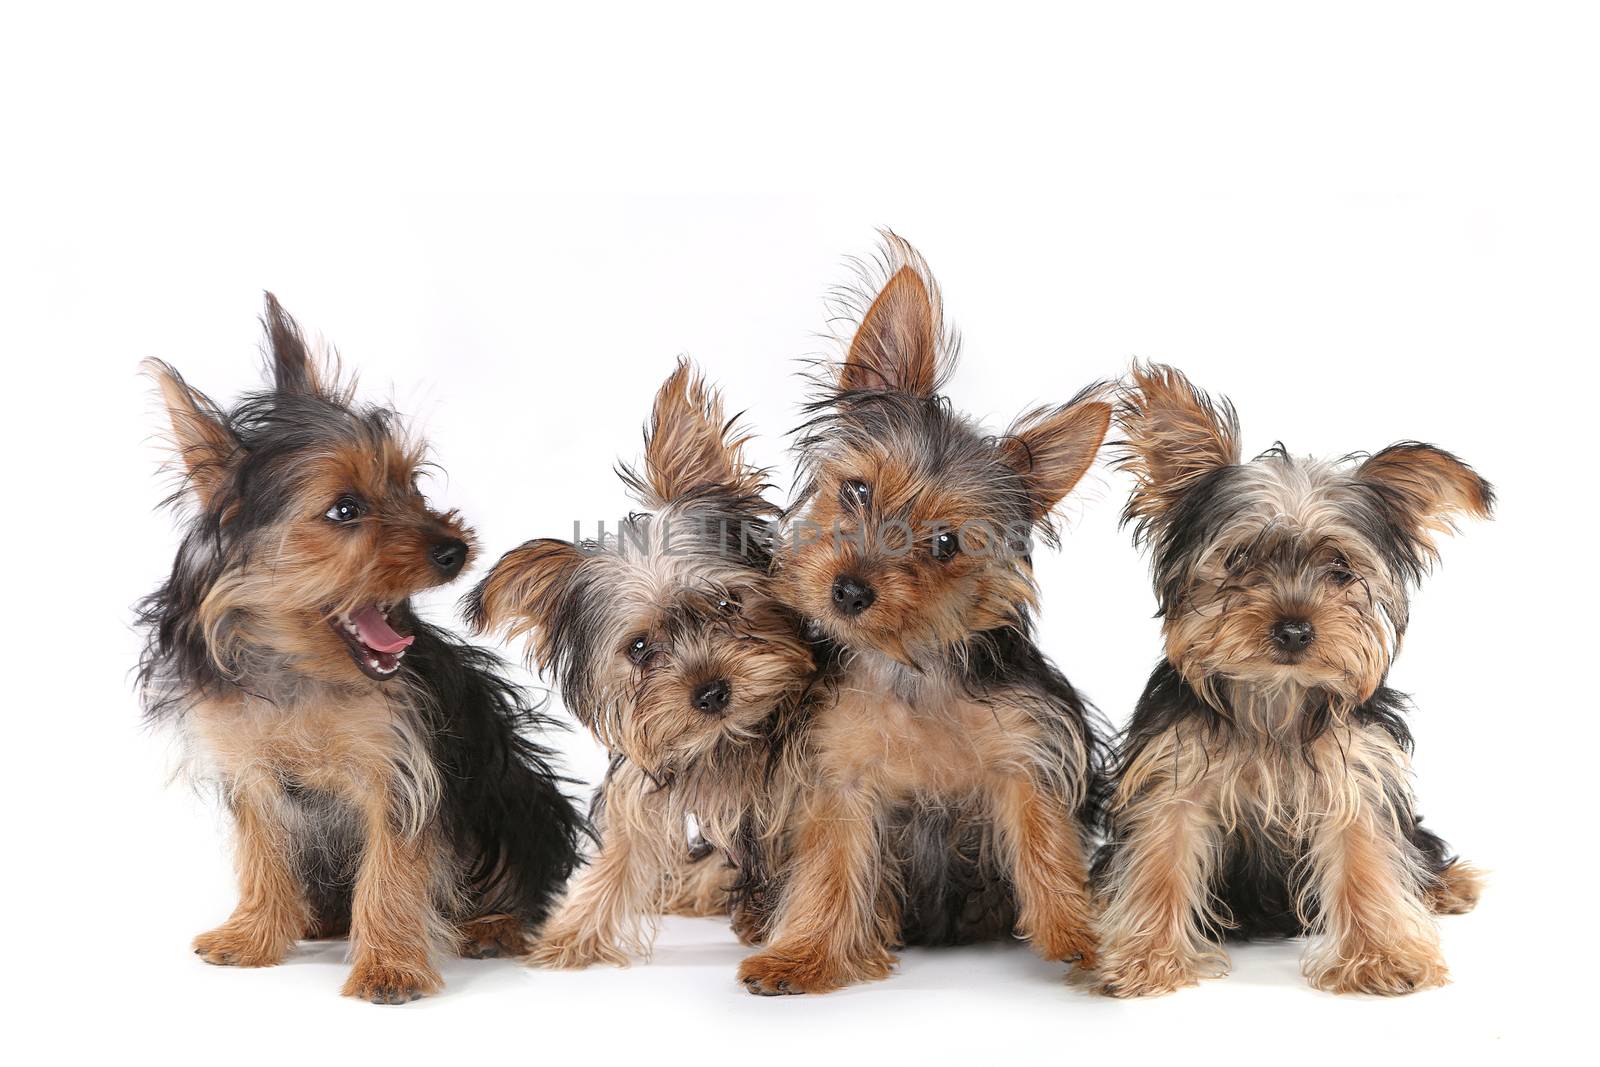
(1045,846)
(1375,931)
(1159,888)
(272,912)
(611,907)
(699,887)
(393,919)
(830,930)
(332,930)
(1455,890)
(749,922)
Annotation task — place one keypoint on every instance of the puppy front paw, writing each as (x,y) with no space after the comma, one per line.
(1135,973)
(1382,971)
(1455,890)
(383,983)
(492,936)
(573,950)
(1074,942)
(749,927)
(778,973)
(243,944)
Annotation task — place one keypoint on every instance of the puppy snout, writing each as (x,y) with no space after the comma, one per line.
(1292,635)
(712,697)
(852,596)
(448,556)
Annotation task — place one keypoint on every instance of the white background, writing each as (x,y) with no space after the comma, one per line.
(1367,223)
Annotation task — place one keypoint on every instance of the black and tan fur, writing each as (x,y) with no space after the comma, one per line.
(951,771)
(385,794)
(668,644)
(1263,786)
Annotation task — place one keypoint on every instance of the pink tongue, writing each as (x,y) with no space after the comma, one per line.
(376,633)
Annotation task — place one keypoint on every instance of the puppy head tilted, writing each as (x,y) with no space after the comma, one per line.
(914,524)
(1282,570)
(665,639)
(307,532)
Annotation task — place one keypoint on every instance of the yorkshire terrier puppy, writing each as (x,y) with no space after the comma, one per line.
(668,644)
(379,782)
(1263,785)
(951,772)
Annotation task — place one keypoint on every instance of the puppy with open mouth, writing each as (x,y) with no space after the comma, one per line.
(377,769)
(373,643)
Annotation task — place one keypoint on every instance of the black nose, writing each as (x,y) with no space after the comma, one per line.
(448,555)
(1292,635)
(712,697)
(851,595)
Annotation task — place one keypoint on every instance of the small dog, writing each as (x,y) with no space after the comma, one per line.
(373,764)
(1263,784)
(951,774)
(669,645)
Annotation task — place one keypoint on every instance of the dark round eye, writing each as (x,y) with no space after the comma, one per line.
(855,493)
(728,605)
(345,509)
(638,649)
(1340,571)
(944,546)
(1237,558)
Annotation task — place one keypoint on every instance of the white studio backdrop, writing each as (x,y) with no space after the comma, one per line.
(1361,228)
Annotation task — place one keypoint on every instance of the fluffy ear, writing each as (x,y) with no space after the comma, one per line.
(1174,436)
(688,444)
(900,344)
(200,435)
(523,591)
(293,369)
(1052,448)
(1427,488)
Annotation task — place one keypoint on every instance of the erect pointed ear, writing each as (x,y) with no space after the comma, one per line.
(293,369)
(1427,488)
(200,436)
(1175,436)
(523,592)
(688,445)
(1052,448)
(900,344)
